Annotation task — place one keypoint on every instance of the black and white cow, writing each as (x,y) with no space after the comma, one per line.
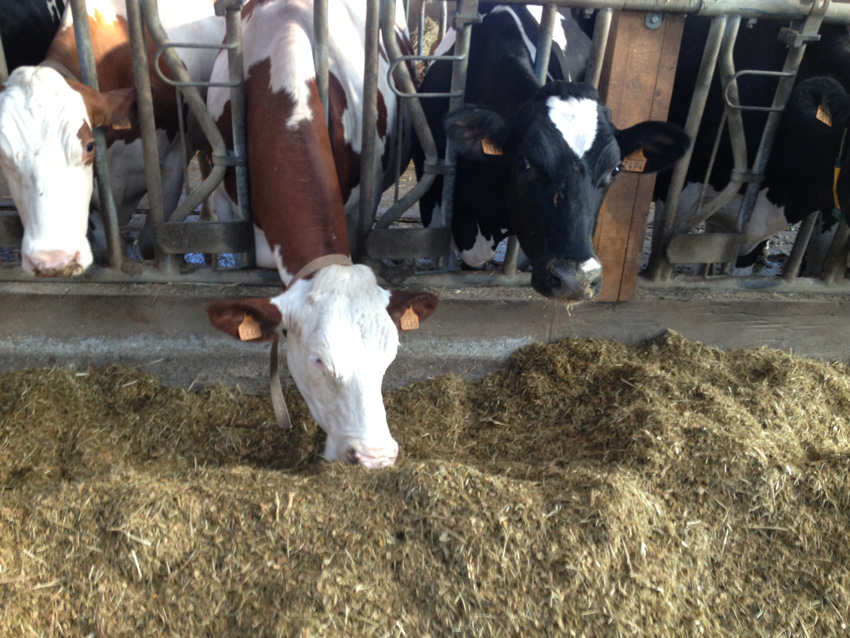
(27,28)
(534,161)
(799,175)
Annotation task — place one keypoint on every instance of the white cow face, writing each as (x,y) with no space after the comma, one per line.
(339,342)
(340,339)
(47,154)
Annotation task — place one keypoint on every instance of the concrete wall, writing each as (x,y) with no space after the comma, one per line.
(164,329)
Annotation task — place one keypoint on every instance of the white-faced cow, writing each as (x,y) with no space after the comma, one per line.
(46,122)
(798,178)
(304,176)
(27,28)
(534,161)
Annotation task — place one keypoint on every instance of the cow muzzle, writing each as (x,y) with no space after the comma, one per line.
(54,263)
(568,281)
(372,458)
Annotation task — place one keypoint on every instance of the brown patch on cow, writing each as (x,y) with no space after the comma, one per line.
(114,63)
(228,315)
(347,162)
(295,191)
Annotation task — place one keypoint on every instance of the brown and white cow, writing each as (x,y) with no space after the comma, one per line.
(46,122)
(304,178)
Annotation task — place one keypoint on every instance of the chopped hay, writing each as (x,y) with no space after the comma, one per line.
(588,488)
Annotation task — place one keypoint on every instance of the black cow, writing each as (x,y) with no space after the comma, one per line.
(799,177)
(27,28)
(532,161)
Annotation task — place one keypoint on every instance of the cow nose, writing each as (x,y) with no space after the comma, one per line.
(569,280)
(372,458)
(54,263)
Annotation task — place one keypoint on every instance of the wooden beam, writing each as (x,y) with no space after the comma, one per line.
(636,84)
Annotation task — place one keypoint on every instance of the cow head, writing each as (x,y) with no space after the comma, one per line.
(555,157)
(47,152)
(340,339)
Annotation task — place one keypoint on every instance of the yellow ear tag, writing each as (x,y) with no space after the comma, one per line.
(249,329)
(635,162)
(489,147)
(824,115)
(409,320)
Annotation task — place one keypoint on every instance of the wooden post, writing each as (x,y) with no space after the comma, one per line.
(636,83)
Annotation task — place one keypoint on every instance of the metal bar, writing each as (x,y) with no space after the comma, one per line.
(597,47)
(756,9)
(411,92)
(548,21)
(400,73)
(88,71)
(370,117)
(320,51)
(780,99)
(147,128)
(4,67)
(801,242)
(835,262)
(444,16)
(196,104)
(659,267)
(732,119)
(466,14)
(239,125)
(420,45)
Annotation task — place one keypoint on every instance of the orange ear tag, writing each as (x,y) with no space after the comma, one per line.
(249,329)
(635,162)
(824,115)
(490,148)
(409,320)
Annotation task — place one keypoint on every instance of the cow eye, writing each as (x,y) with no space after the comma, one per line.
(523,164)
(616,170)
(89,148)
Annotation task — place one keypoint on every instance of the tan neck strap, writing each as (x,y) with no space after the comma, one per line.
(320,262)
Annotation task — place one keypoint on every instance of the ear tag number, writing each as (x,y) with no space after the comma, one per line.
(635,162)
(409,320)
(249,329)
(489,147)
(824,115)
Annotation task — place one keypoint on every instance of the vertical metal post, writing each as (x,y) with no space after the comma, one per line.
(4,68)
(320,50)
(82,33)
(236,69)
(541,70)
(421,35)
(601,29)
(659,267)
(147,128)
(466,14)
(370,120)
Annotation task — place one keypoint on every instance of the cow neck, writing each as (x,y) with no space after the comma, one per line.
(295,193)
(317,264)
(60,68)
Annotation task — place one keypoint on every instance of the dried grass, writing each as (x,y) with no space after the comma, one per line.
(588,489)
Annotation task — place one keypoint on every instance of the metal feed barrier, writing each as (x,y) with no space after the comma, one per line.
(376,239)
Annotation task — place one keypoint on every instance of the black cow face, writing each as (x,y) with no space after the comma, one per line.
(553,161)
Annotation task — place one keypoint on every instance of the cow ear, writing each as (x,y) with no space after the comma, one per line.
(476,133)
(254,319)
(403,303)
(113,109)
(660,144)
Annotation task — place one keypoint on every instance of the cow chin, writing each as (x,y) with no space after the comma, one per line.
(567,281)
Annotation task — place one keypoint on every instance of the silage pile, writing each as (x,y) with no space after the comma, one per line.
(588,488)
